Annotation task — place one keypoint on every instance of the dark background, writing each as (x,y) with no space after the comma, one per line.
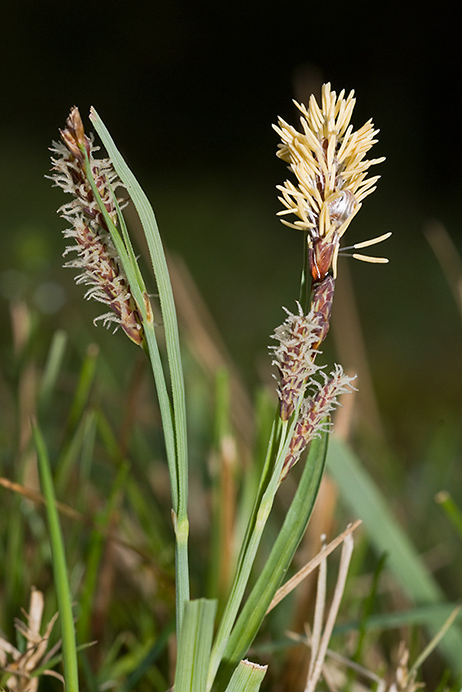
(189,91)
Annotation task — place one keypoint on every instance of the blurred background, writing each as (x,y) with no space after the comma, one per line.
(189,91)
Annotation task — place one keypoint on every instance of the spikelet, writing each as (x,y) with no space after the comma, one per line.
(96,255)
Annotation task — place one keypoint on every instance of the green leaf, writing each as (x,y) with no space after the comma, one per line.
(452,511)
(281,556)
(269,483)
(159,264)
(247,677)
(52,368)
(63,592)
(194,646)
(175,430)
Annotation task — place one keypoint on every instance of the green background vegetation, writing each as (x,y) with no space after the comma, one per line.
(189,94)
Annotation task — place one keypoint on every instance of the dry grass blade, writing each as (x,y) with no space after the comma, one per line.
(22,666)
(292,583)
(401,679)
(316,636)
(318,654)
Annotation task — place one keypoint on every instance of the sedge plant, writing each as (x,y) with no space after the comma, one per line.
(328,161)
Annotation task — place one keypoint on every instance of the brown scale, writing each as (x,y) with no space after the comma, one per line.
(322,296)
(320,256)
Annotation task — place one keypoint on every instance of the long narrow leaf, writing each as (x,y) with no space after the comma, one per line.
(281,556)
(63,592)
(194,646)
(156,251)
(247,677)
(264,501)
(159,263)
(138,290)
(52,367)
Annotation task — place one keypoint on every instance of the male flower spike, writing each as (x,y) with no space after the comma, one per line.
(328,161)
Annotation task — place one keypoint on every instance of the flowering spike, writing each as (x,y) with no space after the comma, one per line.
(294,357)
(328,160)
(314,411)
(96,254)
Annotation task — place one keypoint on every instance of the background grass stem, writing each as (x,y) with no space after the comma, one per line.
(63,592)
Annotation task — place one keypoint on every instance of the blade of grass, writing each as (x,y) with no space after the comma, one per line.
(253,472)
(139,293)
(194,646)
(290,535)
(247,677)
(434,642)
(159,264)
(365,499)
(52,367)
(262,507)
(63,592)
(451,510)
